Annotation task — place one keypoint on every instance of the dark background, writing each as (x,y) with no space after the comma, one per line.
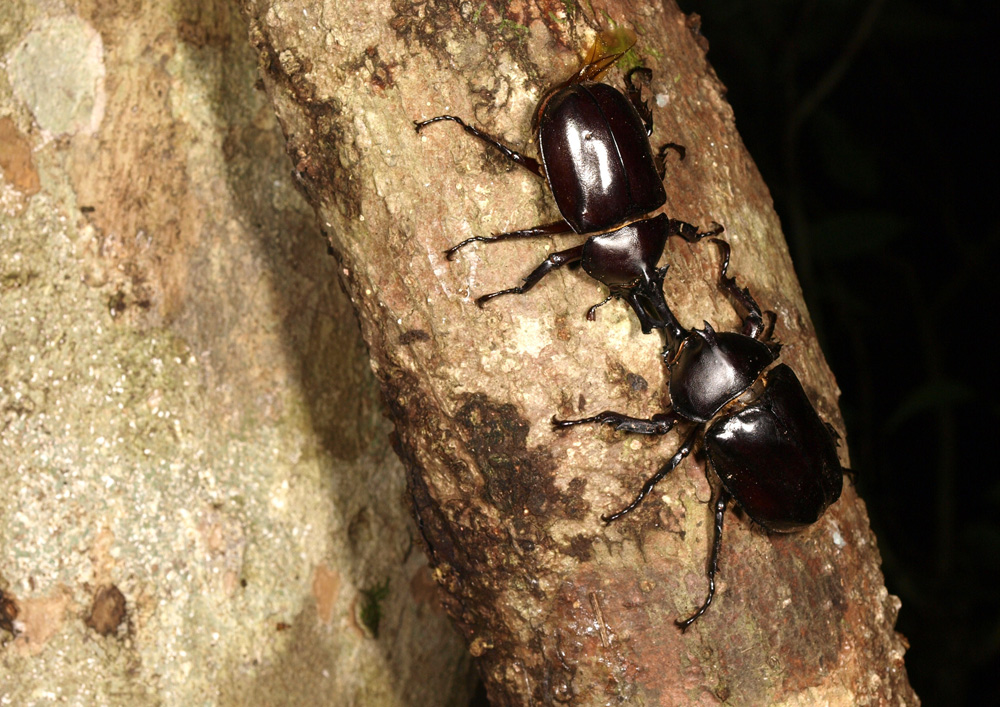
(874,125)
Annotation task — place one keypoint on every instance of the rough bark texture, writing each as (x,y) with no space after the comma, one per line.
(198,499)
(558,608)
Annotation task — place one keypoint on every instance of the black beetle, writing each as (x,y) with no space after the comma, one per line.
(772,453)
(594,147)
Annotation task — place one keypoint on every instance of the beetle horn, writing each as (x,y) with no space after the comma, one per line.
(650,306)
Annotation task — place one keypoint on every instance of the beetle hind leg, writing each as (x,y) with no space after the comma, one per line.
(713,565)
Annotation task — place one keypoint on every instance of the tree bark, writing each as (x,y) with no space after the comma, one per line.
(557,607)
(199,503)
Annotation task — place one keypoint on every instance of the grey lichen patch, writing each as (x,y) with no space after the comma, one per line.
(205,461)
(57,71)
(77,669)
(110,472)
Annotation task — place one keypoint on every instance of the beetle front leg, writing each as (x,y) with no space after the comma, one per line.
(691,233)
(549,229)
(639,300)
(659,424)
(592,312)
(556,260)
(529,163)
(753,318)
(685,449)
(713,565)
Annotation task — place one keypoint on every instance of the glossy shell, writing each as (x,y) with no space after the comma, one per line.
(776,457)
(628,255)
(711,369)
(597,158)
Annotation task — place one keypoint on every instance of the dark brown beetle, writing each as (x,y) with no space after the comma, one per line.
(773,454)
(595,154)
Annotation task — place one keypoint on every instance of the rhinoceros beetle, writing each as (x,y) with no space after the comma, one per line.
(773,454)
(595,155)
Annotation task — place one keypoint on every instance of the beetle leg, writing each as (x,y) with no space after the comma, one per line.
(753,319)
(556,260)
(691,233)
(642,108)
(770,319)
(658,424)
(655,478)
(660,161)
(635,96)
(548,229)
(650,307)
(592,312)
(713,564)
(529,163)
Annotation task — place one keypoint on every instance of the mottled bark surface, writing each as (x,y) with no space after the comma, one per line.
(557,607)
(199,503)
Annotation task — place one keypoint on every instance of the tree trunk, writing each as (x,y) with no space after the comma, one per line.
(198,499)
(556,606)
